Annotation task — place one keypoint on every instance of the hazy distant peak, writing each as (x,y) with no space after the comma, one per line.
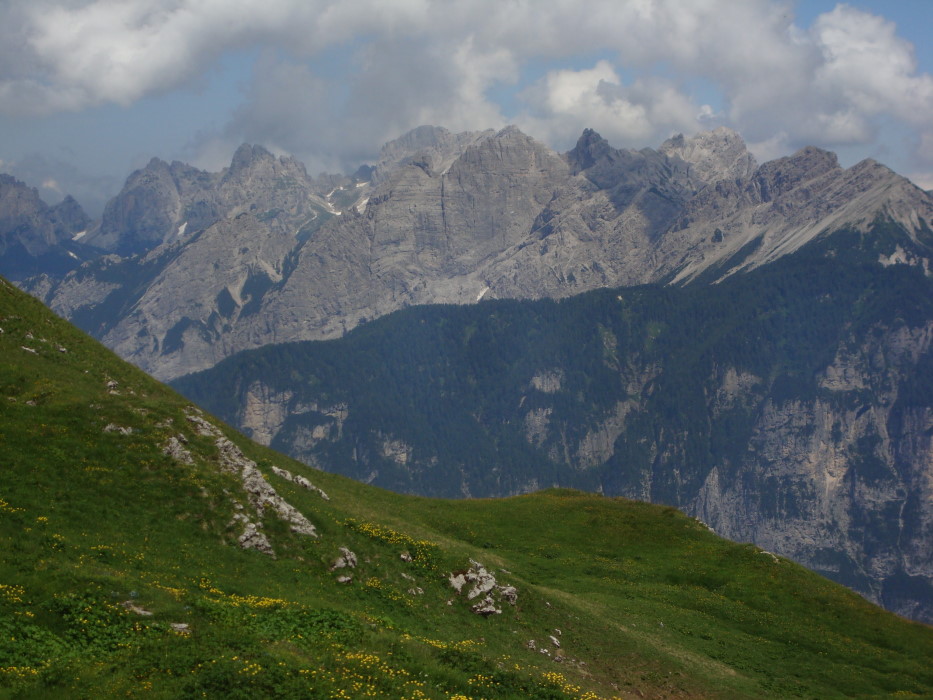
(31,231)
(511,130)
(155,165)
(423,136)
(246,155)
(6,179)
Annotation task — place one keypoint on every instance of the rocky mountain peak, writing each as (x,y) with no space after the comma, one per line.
(454,218)
(247,156)
(256,165)
(69,216)
(873,167)
(154,167)
(144,211)
(784,174)
(507,154)
(590,149)
(7,181)
(32,232)
(418,139)
(25,214)
(870,174)
(163,203)
(16,196)
(509,135)
(511,130)
(626,174)
(434,148)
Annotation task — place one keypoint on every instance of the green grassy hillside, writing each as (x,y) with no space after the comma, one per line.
(121,572)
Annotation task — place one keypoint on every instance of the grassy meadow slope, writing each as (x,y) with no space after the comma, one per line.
(122,574)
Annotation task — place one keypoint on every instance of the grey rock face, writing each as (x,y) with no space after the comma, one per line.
(219,291)
(68,218)
(166,203)
(174,448)
(428,147)
(146,210)
(260,494)
(347,559)
(712,156)
(839,485)
(482,584)
(447,219)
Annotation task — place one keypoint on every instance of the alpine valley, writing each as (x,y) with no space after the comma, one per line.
(749,343)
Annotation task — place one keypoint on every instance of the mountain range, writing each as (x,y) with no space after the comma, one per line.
(261,253)
(771,379)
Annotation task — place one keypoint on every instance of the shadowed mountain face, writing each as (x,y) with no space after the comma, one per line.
(260,253)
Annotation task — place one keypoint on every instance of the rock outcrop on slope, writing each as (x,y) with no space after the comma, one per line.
(260,253)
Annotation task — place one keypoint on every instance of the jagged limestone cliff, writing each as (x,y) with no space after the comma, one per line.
(445,219)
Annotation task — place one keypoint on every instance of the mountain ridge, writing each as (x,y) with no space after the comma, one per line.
(486,215)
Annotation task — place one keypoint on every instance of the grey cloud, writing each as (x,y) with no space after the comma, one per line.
(339,122)
(286,107)
(435,62)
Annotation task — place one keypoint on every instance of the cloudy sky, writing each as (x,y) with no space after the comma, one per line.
(91,89)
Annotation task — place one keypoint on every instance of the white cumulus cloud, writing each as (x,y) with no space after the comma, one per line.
(636,114)
(653,67)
